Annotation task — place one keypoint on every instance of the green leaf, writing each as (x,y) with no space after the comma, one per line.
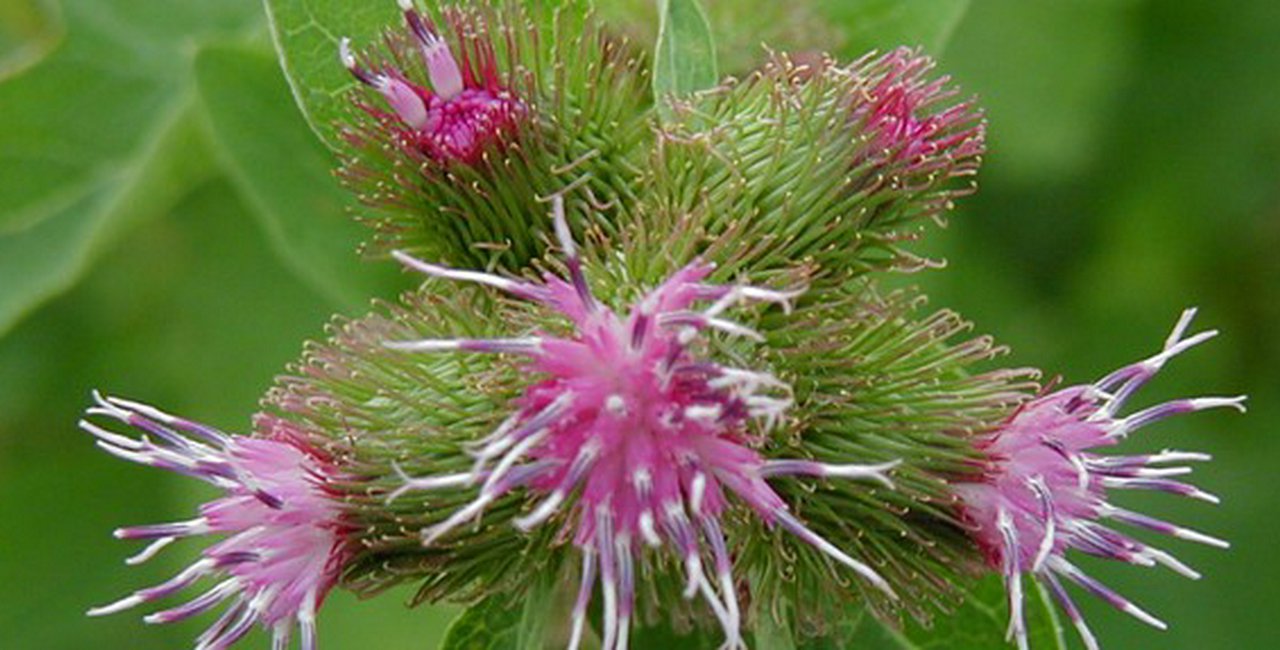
(978,624)
(491,624)
(884,24)
(685,55)
(284,175)
(29,30)
(48,258)
(306,35)
(97,136)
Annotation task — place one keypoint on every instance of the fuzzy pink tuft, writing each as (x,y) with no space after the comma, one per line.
(907,114)
(1046,488)
(282,545)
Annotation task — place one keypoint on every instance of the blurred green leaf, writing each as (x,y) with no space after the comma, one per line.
(491,624)
(49,257)
(29,30)
(97,136)
(685,54)
(284,175)
(306,35)
(978,624)
(884,24)
(1047,73)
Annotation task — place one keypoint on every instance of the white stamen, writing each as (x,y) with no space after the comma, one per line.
(731,327)
(749,379)
(1050,521)
(878,472)
(563,235)
(616,404)
(585,585)
(280,633)
(112,438)
(463,515)
(696,493)
(436,270)
(527,345)
(150,551)
(510,459)
(1172,563)
(540,514)
(128,602)
(1121,483)
(344,54)
(703,412)
(642,480)
(732,634)
(307,621)
(426,483)
(647,530)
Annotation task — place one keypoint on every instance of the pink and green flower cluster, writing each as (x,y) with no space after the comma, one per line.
(683,400)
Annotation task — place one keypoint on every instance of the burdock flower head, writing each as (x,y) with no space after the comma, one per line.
(465,114)
(839,164)
(1046,489)
(633,438)
(282,545)
(464,109)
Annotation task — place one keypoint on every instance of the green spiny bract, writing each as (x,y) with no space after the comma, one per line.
(878,378)
(831,165)
(580,97)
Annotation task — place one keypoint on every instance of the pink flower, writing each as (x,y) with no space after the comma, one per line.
(909,117)
(633,437)
(283,543)
(465,109)
(1046,488)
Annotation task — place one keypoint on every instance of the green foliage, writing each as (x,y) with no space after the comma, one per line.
(491,625)
(283,174)
(685,54)
(98,135)
(885,24)
(29,30)
(978,623)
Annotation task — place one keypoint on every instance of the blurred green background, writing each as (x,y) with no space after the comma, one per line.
(168,231)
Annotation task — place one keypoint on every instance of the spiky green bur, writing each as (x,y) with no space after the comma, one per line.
(381,413)
(878,377)
(871,383)
(583,94)
(832,165)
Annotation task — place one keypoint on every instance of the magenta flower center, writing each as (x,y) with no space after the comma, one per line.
(464,110)
(459,128)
